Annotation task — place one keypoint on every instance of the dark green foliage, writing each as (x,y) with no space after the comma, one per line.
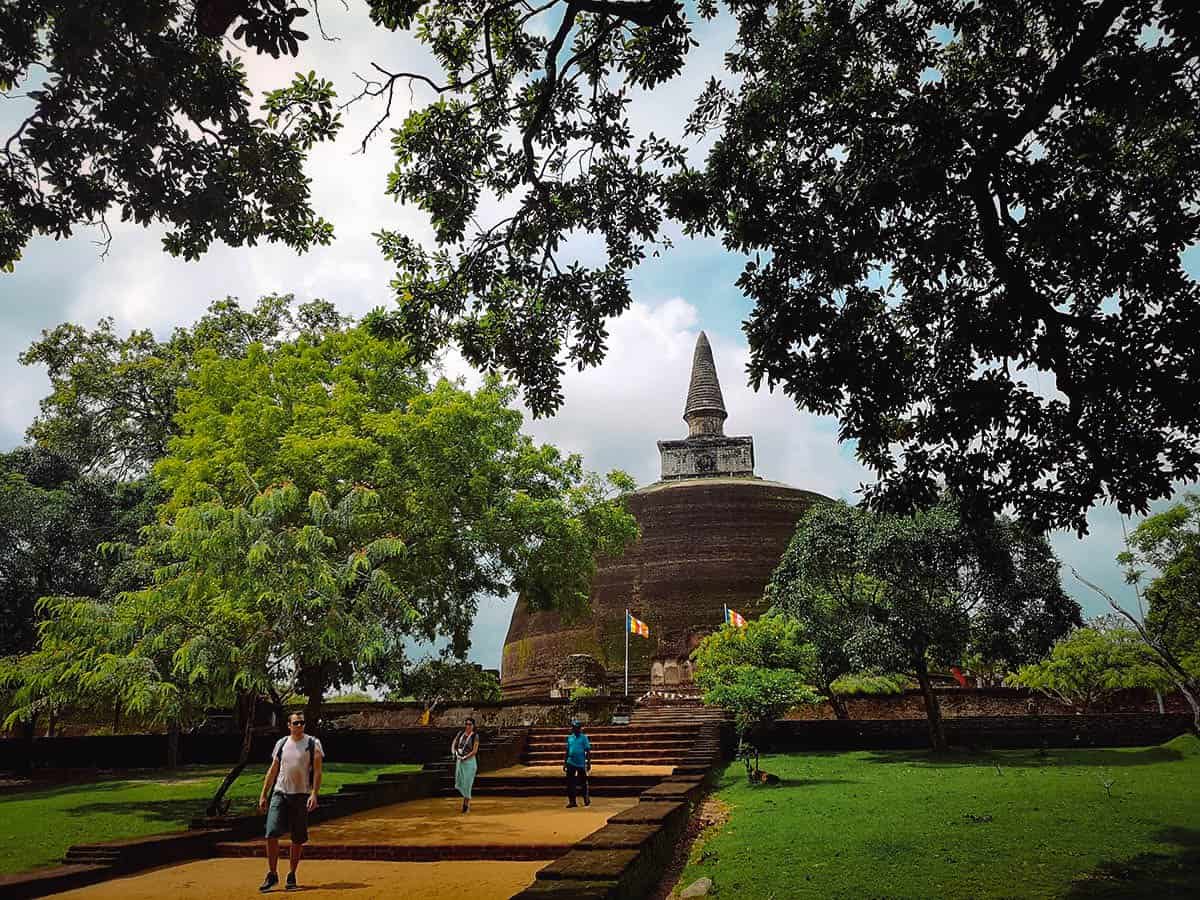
(964,220)
(52,521)
(910,593)
(126,108)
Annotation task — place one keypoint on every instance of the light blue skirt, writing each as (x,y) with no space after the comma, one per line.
(464,776)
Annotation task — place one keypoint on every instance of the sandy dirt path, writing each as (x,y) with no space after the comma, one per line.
(524,821)
(228,879)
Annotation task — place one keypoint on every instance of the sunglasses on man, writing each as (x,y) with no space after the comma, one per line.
(296,722)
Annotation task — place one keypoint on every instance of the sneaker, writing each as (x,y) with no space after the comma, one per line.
(269,882)
(291,882)
(571,805)
(587,801)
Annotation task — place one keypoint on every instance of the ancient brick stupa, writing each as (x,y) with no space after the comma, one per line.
(711,534)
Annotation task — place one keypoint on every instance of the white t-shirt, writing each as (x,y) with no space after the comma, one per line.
(293,767)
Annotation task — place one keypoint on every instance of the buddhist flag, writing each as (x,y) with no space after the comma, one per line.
(734,618)
(637,626)
(958,676)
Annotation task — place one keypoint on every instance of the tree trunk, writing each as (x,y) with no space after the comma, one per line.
(1190,694)
(28,733)
(840,710)
(52,724)
(312,682)
(173,744)
(278,713)
(245,709)
(937,733)
(116,716)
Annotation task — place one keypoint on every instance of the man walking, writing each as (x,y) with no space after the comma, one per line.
(578,763)
(293,782)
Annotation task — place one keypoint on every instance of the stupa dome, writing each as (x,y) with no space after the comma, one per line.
(711,535)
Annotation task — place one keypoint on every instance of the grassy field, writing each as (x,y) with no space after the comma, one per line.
(1071,823)
(37,826)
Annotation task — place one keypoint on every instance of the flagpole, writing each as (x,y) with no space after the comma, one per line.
(626,652)
(725,621)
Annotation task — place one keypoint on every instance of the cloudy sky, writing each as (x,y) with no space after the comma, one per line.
(613,414)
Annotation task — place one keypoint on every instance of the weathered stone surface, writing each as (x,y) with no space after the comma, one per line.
(569,890)
(665,814)
(619,837)
(698,888)
(591,865)
(579,670)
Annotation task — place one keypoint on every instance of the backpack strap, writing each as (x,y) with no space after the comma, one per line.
(311,760)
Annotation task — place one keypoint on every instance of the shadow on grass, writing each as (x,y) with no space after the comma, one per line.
(1147,875)
(1029,759)
(167,811)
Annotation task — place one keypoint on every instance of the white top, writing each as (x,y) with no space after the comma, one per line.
(293,767)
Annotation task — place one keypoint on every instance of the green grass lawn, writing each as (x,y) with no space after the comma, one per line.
(1004,824)
(37,826)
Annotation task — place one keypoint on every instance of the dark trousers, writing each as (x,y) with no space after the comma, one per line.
(577,774)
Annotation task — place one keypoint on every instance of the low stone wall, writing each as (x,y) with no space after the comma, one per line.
(144,751)
(958,702)
(985,732)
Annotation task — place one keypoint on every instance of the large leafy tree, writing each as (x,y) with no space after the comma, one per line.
(964,220)
(435,681)
(329,486)
(113,399)
(913,593)
(134,109)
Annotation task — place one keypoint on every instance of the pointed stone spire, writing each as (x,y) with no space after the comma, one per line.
(705,409)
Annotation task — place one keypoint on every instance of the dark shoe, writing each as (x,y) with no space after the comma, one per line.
(587,801)
(269,882)
(291,882)
(571,805)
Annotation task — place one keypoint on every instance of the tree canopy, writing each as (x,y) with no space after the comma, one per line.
(913,593)
(963,220)
(758,672)
(113,399)
(131,109)
(343,502)
(52,519)
(1090,664)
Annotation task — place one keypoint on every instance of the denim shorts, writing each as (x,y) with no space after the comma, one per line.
(288,813)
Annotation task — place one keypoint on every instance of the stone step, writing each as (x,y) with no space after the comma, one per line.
(600,744)
(620,731)
(606,755)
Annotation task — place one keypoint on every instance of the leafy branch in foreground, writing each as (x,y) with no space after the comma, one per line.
(963,221)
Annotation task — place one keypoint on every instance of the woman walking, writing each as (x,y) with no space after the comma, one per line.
(464,748)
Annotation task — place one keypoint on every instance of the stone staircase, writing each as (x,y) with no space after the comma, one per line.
(617,745)
(677,713)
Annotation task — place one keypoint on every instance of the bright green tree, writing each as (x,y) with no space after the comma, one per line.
(1168,544)
(328,487)
(113,399)
(757,672)
(436,681)
(1091,664)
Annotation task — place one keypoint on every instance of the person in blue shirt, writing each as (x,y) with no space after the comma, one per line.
(577,764)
